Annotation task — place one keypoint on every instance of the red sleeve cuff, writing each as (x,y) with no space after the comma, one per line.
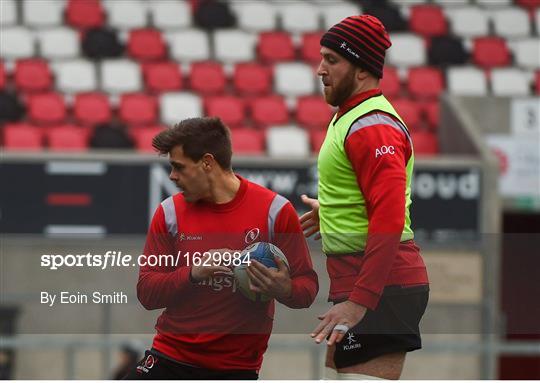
(365,298)
(297,299)
(182,279)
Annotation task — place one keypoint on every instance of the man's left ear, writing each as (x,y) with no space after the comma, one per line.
(362,74)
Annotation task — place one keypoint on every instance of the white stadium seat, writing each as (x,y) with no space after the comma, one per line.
(168,14)
(509,82)
(511,22)
(120,76)
(43,13)
(8,13)
(494,3)
(299,17)
(294,79)
(537,19)
(287,141)
(58,43)
(189,45)
(406,50)
(16,42)
(334,13)
(255,16)
(232,46)
(468,22)
(75,76)
(451,3)
(467,81)
(179,106)
(126,14)
(527,53)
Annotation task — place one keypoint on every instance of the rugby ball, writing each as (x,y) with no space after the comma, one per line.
(264,253)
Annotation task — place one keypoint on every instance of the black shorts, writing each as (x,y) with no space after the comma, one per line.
(154,365)
(392,327)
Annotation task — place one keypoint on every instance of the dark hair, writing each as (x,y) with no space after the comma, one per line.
(198,136)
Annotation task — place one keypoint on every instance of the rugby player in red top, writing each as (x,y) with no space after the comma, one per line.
(209,329)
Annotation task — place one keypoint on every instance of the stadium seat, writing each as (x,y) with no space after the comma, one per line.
(188,45)
(490,4)
(431,109)
(452,3)
(287,141)
(230,109)
(143,136)
(299,17)
(252,78)
(428,20)
(511,22)
(275,46)
(530,5)
(312,112)
(126,14)
(425,82)
(32,75)
(248,142)
(537,82)
(294,79)
(67,138)
(46,108)
(406,50)
(409,111)
(162,76)
(146,44)
(316,137)
(447,50)
(16,43)
(8,13)
(120,76)
(269,110)
(390,83)
(42,13)
(138,109)
(527,53)
(75,76)
(335,12)
(509,82)
(91,108)
(58,43)
(23,137)
(178,106)
(466,81)
(425,143)
(537,18)
(207,77)
(310,49)
(2,75)
(490,52)
(169,14)
(231,46)
(469,22)
(85,13)
(255,16)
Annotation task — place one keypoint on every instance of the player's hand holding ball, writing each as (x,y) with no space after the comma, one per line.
(209,264)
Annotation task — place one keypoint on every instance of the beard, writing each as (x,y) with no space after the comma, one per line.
(339,92)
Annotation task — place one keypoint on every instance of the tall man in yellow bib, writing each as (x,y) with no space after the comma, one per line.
(378,280)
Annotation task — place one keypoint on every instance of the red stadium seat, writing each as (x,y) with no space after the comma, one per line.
(162,76)
(390,83)
(23,137)
(489,52)
(142,136)
(310,49)
(85,13)
(425,82)
(252,78)
(248,141)
(67,138)
(2,75)
(313,112)
(275,46)
(46,108)
(428,20)
(146,44)
(317,139)
(409,111)
(537,82)
(91,108)
(230,109)
(138,109)
(530,5)
(32,75)
(425,143)
(207,77)
(431,111)
(269,110)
